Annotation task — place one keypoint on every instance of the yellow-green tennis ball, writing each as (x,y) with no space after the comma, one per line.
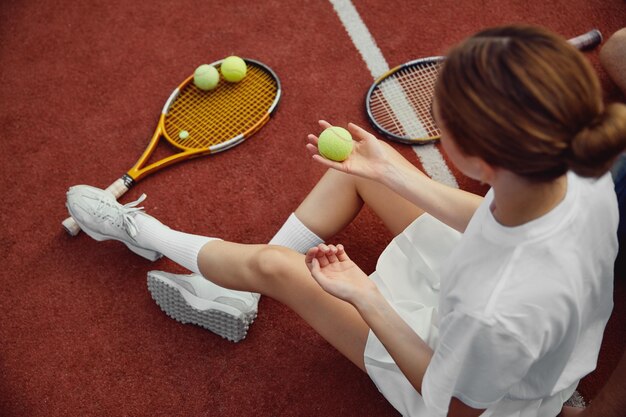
(206,77)
(335,143)
(233,69)
(183,134)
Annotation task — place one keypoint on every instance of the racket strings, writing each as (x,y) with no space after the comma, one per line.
(215,116)
(401,103)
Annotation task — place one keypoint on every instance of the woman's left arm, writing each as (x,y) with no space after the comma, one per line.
(333,270)
(409,351)
(378,161)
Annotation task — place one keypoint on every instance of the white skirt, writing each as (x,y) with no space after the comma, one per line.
(408,275)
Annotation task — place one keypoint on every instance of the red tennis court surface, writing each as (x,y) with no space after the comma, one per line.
(82,87)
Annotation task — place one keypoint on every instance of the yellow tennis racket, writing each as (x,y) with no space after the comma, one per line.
(398,104)
(198,122)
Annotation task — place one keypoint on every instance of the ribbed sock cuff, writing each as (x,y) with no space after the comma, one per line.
(295,235)
(180,247)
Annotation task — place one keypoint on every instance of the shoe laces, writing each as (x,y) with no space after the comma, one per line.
(120,216)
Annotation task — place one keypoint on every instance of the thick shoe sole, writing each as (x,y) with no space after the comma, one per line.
(218,318)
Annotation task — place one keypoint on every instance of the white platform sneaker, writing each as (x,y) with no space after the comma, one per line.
(194,299)
(99,215)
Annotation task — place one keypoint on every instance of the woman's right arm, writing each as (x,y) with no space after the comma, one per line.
(376,160)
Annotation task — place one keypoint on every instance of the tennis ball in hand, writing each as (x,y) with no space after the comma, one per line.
(233,69)
(206,77)
(335,143)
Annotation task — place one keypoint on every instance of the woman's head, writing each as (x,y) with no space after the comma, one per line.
(525,100)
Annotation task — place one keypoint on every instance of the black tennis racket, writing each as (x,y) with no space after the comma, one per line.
(398,104)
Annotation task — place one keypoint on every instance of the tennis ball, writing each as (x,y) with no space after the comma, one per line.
(206,77)
(233,69)
(335,143)
(183,134)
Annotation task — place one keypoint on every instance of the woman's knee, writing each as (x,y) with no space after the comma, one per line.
(614,48)
(613,57)
(273,263)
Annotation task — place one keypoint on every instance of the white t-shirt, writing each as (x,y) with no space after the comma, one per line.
(523,309)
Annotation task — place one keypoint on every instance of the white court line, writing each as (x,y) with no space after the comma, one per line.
(429,156)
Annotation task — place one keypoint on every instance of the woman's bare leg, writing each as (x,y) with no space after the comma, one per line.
(613,58)
(281,274)
(338,197)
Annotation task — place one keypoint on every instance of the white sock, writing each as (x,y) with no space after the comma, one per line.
(180,247)
(183,248)
(295,235)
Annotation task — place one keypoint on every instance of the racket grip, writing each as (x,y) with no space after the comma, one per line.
(588,40)
(118,188)
(70,226)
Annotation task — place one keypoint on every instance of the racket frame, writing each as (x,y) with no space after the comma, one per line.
(138,171)
(378,82)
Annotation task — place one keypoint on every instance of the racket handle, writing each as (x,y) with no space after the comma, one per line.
(70,226)
(587,40)
(118,188)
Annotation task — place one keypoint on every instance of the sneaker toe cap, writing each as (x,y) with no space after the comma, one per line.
(77,210)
